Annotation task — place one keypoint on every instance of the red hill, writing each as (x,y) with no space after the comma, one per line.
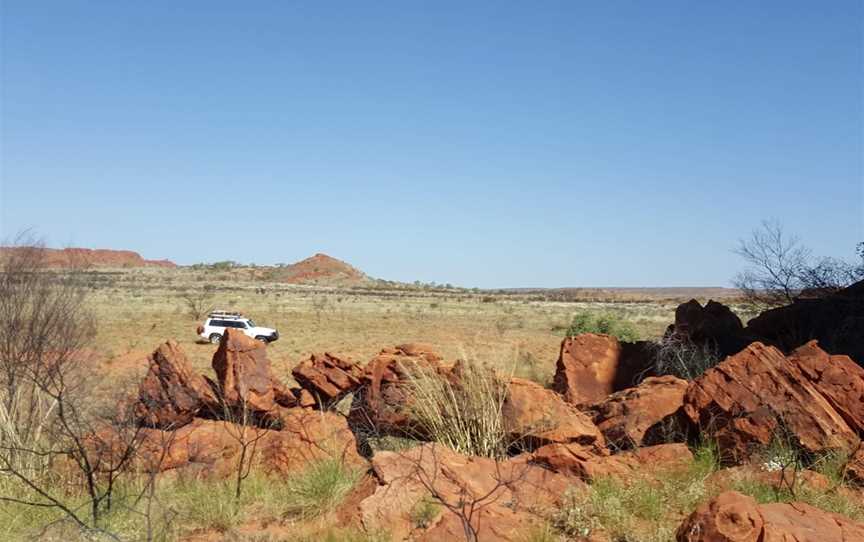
(95,258)
(323,270)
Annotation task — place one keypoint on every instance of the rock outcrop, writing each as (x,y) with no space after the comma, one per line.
(171,394)
(88,257)
(714,325)
(211,448)
(839,379)
(733,517)
(588,465)
(245,379)
(591,366)
(383,401)
(510,492)
(328,377)
(534,416)
(836,321)
(749,398)
(643,415)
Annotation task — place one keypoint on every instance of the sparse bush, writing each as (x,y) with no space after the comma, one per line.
(464,413)
(683,358)
(606,323)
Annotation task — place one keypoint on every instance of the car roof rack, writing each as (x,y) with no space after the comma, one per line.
(224,314)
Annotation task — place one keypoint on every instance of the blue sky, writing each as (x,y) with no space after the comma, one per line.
(479,143)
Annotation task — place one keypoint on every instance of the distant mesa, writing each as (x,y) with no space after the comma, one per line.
(89,257)
(321,269)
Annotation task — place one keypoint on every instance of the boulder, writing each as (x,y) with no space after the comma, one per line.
(327,377)
(245,379)
(534,416)
(642,415)
(211,448)
(508,494)
(733,517)
(590,366)
(589,465)
(839,379)
(746,400)
(714,324)
(171,394)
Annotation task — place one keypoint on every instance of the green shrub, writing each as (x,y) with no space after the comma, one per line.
(606,323)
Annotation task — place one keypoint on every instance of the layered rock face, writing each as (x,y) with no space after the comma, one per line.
(328,377)
(245,378)
(171,395)
(754,396)
(839,379)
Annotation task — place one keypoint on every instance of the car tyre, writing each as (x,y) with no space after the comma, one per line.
(215,338)
(262,338)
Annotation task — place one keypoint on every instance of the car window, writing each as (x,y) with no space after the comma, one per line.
(251,323)
(217,323)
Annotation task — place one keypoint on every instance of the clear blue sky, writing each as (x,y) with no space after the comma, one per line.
(478,143)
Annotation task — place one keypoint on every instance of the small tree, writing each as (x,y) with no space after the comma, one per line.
(780,268)
(198,302)
(46,417)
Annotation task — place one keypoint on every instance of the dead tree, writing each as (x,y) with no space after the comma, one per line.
(45,417)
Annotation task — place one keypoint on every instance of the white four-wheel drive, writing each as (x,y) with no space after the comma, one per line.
(217,321)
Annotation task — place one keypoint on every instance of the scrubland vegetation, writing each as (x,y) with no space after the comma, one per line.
(72,464)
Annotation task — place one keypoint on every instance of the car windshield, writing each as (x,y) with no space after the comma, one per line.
(251,323)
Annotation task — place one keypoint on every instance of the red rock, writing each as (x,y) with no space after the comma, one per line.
(733,517)
(534,416)
(211,448)
(742,401)
(88,257)
(382,403)
(245,378)
(305,399)
(328,377)
(513,490)
(589,465)
(839,379)
(171,395)
(729,517)
(636,416)
(591,366)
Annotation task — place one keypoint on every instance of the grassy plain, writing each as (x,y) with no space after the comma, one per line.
(136,309)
